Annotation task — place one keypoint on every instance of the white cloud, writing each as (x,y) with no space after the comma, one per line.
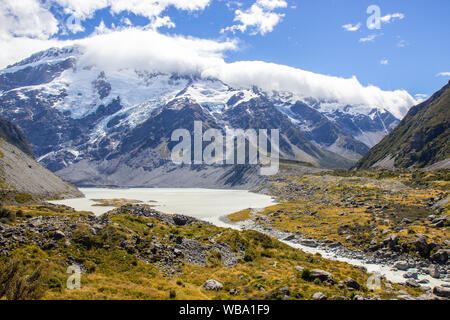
(147,49)
(384,62)
(352,28)
(402,43)
(156,52)
(421,97)
(443,74)
(27,26)
(33,18)
(16,49)
(269,76)
(161,53)
(148,8)
(26,18)
(259,18)
(370,38)
(392,17)
(271,4)
(153,51)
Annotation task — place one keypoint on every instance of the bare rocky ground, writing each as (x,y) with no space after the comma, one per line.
(19,173)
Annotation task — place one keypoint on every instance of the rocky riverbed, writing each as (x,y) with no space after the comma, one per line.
(433,275)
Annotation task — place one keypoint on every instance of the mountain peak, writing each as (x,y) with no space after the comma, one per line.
(49,55)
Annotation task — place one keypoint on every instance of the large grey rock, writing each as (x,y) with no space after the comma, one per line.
(401,265)
(441,256)
(58,235)
(285,291)
(180,220)
(442,292)
(434,272)
(309,243)
(412,274)
(322,275)
(299,268)
(352,283)
(412,283)
(212,285)
(422,246)
(319,296)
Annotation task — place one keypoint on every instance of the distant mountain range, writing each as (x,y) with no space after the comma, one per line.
(103,128)
(422,139)
(20,175)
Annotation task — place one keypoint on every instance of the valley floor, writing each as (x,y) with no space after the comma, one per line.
(384,218)
(136,252)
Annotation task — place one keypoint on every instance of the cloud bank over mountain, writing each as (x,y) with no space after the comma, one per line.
(152,51)
(187,55)
(29,26)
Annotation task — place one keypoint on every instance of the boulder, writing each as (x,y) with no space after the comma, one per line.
(433,271)
(442,292)
(438,223)
(212,285)
(319,296)
(58,235)
(390,242)
(428,297)
(412,283)
(338,298)
(352,283)
(285,291)
(180,220)
(441,256)
(322,275)
(411,275)
(309,243)
(299,268)
(358,297)
(401,265)
(422,246)
(406,221)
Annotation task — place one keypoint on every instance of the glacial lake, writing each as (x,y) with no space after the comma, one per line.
(205,204)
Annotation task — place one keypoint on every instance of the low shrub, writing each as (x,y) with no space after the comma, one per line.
(306,275)
(7,216)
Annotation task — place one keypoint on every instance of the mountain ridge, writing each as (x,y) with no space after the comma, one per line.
(420,140)
(75,114)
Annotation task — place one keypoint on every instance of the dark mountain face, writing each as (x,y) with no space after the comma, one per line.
(421,139)
(83,117)
(13,135)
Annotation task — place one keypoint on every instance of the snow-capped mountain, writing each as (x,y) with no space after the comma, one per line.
(97,127)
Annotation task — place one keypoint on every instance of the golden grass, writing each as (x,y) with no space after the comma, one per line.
(114,202)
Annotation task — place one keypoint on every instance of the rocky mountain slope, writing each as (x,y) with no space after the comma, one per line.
(12,134)
(421,139)
(97,127)
(21,176)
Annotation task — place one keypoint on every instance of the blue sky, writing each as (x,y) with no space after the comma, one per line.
(406,53)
